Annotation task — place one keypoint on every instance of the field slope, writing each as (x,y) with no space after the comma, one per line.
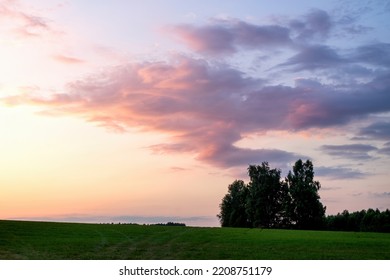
(44,240)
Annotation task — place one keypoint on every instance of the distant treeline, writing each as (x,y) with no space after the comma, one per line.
(170,224)
(364,220)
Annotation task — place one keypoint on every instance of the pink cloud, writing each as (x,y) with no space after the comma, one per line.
(201,106)
(206,108)
(67,59)
(22,23)
(212,39)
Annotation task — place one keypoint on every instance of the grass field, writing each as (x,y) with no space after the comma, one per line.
(44,241)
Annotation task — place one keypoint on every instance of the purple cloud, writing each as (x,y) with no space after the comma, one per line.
(206,108)
(376,130)
(229,36)
(315,24)
(315,57)
(351,151)
(376,54)
(340,173)
(386,149)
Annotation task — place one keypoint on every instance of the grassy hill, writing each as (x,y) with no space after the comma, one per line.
(45,240)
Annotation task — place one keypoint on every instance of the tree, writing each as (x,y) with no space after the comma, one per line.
(266,195)
(305,209)
(233,207)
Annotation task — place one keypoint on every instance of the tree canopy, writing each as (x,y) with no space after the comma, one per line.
(233,206)
(305,210)
(268,202)
(265,196)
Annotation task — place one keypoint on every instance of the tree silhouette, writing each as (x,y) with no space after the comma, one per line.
(364,220)
(269,202)
(305,210)
(265,196)
(233,206)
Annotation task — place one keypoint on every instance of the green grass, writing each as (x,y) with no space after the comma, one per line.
(44,241)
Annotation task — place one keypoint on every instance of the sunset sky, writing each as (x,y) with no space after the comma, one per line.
(145,111)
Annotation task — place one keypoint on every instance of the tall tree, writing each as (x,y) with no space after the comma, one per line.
(305,209)
(265,196)
(233,206)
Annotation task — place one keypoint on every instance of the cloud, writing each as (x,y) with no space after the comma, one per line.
(201,107)
(339,173)
(22,23)
(178,169)
(357,194)
(332,105)
(376,130)
(350,151)
(206,108)
(330,188)
(386,149)
(67,59)
(382,195)
(314,57)
(228,156)
(229,36)
(343,67)
(316,24)
(210,39)
(347,17)
(375,54)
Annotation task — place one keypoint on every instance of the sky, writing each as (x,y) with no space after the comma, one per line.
(145,111)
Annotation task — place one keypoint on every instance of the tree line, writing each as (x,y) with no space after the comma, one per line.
(364,220)
(267,201)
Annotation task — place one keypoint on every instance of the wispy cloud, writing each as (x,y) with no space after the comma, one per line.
(350,151)
(386,149)
(377,130)
(178,169)
(382,194)
(340,173)
(67,59)
(23,23)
